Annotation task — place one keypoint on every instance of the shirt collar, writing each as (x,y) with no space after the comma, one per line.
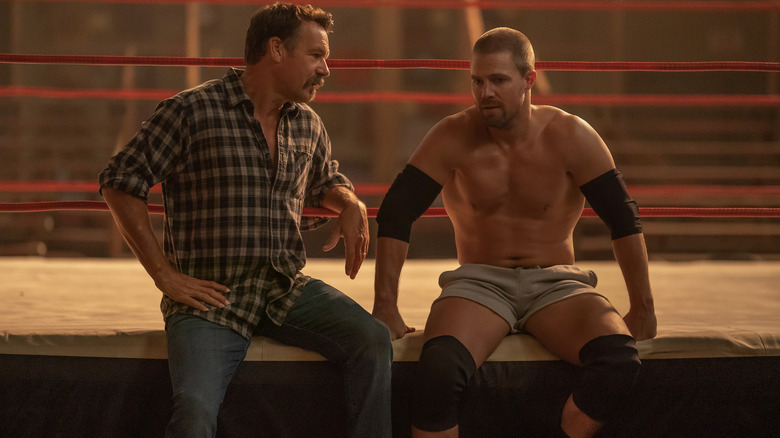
(236,94)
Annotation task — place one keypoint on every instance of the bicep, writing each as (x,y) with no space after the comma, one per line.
(434,154)
(587,156)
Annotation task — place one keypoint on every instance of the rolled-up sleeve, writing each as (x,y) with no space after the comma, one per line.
(323,177)
(151,155)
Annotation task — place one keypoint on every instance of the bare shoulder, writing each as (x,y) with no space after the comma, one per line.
(582,148)
(455,126)
(439,151)
(565,126)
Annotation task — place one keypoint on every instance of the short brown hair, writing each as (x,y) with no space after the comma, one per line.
(504,39)
(280,20)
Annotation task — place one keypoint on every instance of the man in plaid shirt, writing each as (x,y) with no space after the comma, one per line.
(238,159)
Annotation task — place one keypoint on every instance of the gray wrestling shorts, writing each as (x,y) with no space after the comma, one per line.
(516,293)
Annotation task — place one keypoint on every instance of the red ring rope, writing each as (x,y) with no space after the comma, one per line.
(580,5)
(381,189)
(26,207)
(447,64)
(436,98)
(428,98)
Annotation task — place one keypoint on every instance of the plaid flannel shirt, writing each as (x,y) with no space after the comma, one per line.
(229,217)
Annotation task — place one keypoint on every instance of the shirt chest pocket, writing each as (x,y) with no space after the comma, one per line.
(298,172)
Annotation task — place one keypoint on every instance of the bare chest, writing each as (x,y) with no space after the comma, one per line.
(526,182)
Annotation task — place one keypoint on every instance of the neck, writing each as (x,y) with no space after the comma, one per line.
(520,128)
(258,84)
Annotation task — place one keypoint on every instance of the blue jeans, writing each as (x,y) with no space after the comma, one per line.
(203,356)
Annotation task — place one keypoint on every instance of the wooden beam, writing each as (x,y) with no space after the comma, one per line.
(192,30)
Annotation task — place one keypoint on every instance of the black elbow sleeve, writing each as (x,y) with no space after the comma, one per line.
(409,196)
(609,198)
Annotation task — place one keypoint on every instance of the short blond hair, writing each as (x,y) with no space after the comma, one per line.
(505,39)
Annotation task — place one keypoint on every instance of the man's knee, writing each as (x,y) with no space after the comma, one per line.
(611,364)
(374,340)
(443,371)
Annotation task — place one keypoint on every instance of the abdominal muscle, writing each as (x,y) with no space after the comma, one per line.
(490,241)
(511,233)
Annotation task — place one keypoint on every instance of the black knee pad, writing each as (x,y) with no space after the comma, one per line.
(443,371)
(611,364)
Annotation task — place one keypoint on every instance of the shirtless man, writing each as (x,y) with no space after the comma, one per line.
(514,178)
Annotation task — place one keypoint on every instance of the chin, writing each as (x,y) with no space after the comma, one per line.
(303,98)
(494,121)
(307,96)
(498,123)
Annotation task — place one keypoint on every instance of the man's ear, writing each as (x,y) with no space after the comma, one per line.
(276,49)
(530,79)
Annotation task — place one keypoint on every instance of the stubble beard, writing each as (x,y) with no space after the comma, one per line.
(499,121)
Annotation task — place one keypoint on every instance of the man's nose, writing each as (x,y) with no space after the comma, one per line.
(487,90)
(323,69)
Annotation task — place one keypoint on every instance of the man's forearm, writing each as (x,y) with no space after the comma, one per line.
(339,198)
(631,255)
(132,219)
(390,258)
